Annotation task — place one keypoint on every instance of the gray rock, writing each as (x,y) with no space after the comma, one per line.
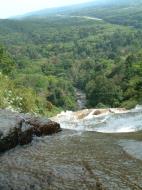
(16,128)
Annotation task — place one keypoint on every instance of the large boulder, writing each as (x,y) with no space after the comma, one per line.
(19,129)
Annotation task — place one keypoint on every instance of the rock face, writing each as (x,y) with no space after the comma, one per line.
(108,111)
(19,129)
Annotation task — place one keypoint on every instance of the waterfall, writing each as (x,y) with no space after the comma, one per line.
(114,120)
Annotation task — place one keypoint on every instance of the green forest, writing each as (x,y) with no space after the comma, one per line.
(43,60)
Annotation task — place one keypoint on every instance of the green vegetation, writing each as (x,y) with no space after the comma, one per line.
(45,59)
(127,13)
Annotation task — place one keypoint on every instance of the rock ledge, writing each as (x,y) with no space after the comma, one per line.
(19,129)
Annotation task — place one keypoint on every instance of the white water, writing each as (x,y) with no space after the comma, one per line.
(108,121)
(83,17)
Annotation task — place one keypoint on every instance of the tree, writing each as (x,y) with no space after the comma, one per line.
(6,63)
(103,90)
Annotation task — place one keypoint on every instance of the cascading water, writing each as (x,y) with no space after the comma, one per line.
(107,121)
(81,99)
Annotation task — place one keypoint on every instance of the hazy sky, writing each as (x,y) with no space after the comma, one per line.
(15,7)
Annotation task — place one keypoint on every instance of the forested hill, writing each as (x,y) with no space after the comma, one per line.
(122,12)
(117,12)
(102,8)
(44,59)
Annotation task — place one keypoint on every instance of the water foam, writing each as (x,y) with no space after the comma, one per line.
(108,121)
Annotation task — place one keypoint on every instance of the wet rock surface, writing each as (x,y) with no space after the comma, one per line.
(75,159)
(19,129)
(72,161)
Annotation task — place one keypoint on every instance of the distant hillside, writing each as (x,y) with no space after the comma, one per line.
(92,5)
(54,54)
(117,2)
(128,16)
(58,10)
(120,12)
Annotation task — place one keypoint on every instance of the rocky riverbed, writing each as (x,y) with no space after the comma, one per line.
(96,150)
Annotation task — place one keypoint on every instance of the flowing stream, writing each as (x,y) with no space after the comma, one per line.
(93,152)
(81,99)
(82,17)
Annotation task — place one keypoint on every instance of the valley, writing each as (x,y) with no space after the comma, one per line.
(74,73)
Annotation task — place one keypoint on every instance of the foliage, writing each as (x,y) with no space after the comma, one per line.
(46,58)
(18,99)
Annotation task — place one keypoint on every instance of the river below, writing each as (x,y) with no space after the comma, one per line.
(78,158)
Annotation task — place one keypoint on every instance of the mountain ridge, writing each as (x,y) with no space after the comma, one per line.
(70,9)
